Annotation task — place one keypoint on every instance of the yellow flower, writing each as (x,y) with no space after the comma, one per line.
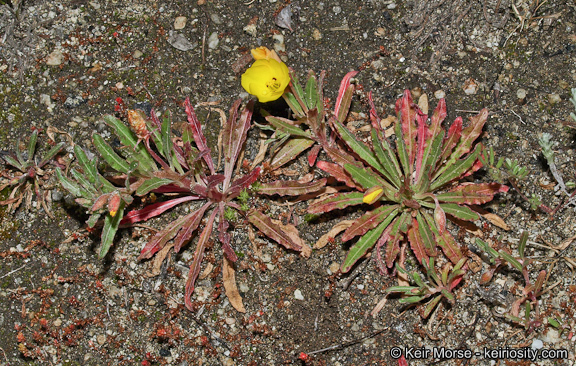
(266,78)
(372,195)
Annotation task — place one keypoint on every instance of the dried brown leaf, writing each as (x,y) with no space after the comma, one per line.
(293,234)
(229,276)
(496,220)
(337,229)
(158,260)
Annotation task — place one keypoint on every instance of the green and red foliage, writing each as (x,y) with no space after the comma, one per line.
(409,186)
(153,160)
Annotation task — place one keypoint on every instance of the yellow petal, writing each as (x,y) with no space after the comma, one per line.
(372,195)
(113,213)
(266,79)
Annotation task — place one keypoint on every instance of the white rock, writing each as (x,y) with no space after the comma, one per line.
(537,344)
(55,58)
(298,295)
(470,86)
(213,41)
(180,42)
(439,94)
(180,22)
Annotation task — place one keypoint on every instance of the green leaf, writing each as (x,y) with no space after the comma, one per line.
(359,249)
(411,299)
(106,151)
(405,289)
(32,145)
(128,139)
(109,231)
(456,170)
(430,306)
(383,214)
(460,212)
(15,163)
(508,258)
(285,125)
(522,243)
(293,104)
(401,149)
(290,150)
(86,164)
(89,190)
(358,147)
(426,235)
(387,159)
(310,92)
(152,184)
(166,134)
(50,154)
(338,201)
(68,184)
(367,178)
(92,220)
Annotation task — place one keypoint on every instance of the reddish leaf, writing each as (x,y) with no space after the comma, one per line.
(291,188)
(344,96)
(374,118)
(192,222)
(159,240)
(370,220)
(416,242)
(233,137)
(445,241)
(100,201)
(338,201)
(154,210)
(408,111)
(198,255)
(438,117)
(271,230)
(471,133)
(337,172)
(472,193)
(241,183)
(423,141)
(454,133)
(313,154)
(198,134)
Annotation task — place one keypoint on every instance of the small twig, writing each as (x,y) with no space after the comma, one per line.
(2,349)
(16,270)
(353,277)
(347,344)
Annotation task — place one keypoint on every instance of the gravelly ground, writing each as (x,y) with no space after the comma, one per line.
(63,64)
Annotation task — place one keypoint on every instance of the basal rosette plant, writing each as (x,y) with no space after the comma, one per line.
(153,159)
(29,177)
(409,187)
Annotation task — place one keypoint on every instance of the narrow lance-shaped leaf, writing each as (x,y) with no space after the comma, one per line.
(128,139)
(430,306)
(426,235)
(111,224)
(399,227)
(286,126)
(159,240)
(293,104)
(166,133)
(154,210)
(402,151)
(407,111)
(106,151)
(416,242)
(371,219)
(291,188)
(472,193)
(198,134)
(359,148)
(234,135)
(359,249)
(32,144)
(290,150)
(387,158)
(337,172)
(192,222)
(454,133)
(198,255)
(456,170)
(68,184)
(266,226)
(444,240)
(86,164)
(470,134)
(367,178)
(344,97)
(152,184)
(298,91)
(310,91)
(338,201)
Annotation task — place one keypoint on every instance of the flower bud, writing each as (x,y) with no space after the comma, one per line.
(373,194)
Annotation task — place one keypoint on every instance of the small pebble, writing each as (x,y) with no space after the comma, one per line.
(230,321)
(316,35)
(334,267)
(470,87)
(554,98)
(55,58)
(180,22)
(215,18)
(537,344)
(298,295)
(439,94)
(213,41)
(137,54)
(337,10)
(101,339)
